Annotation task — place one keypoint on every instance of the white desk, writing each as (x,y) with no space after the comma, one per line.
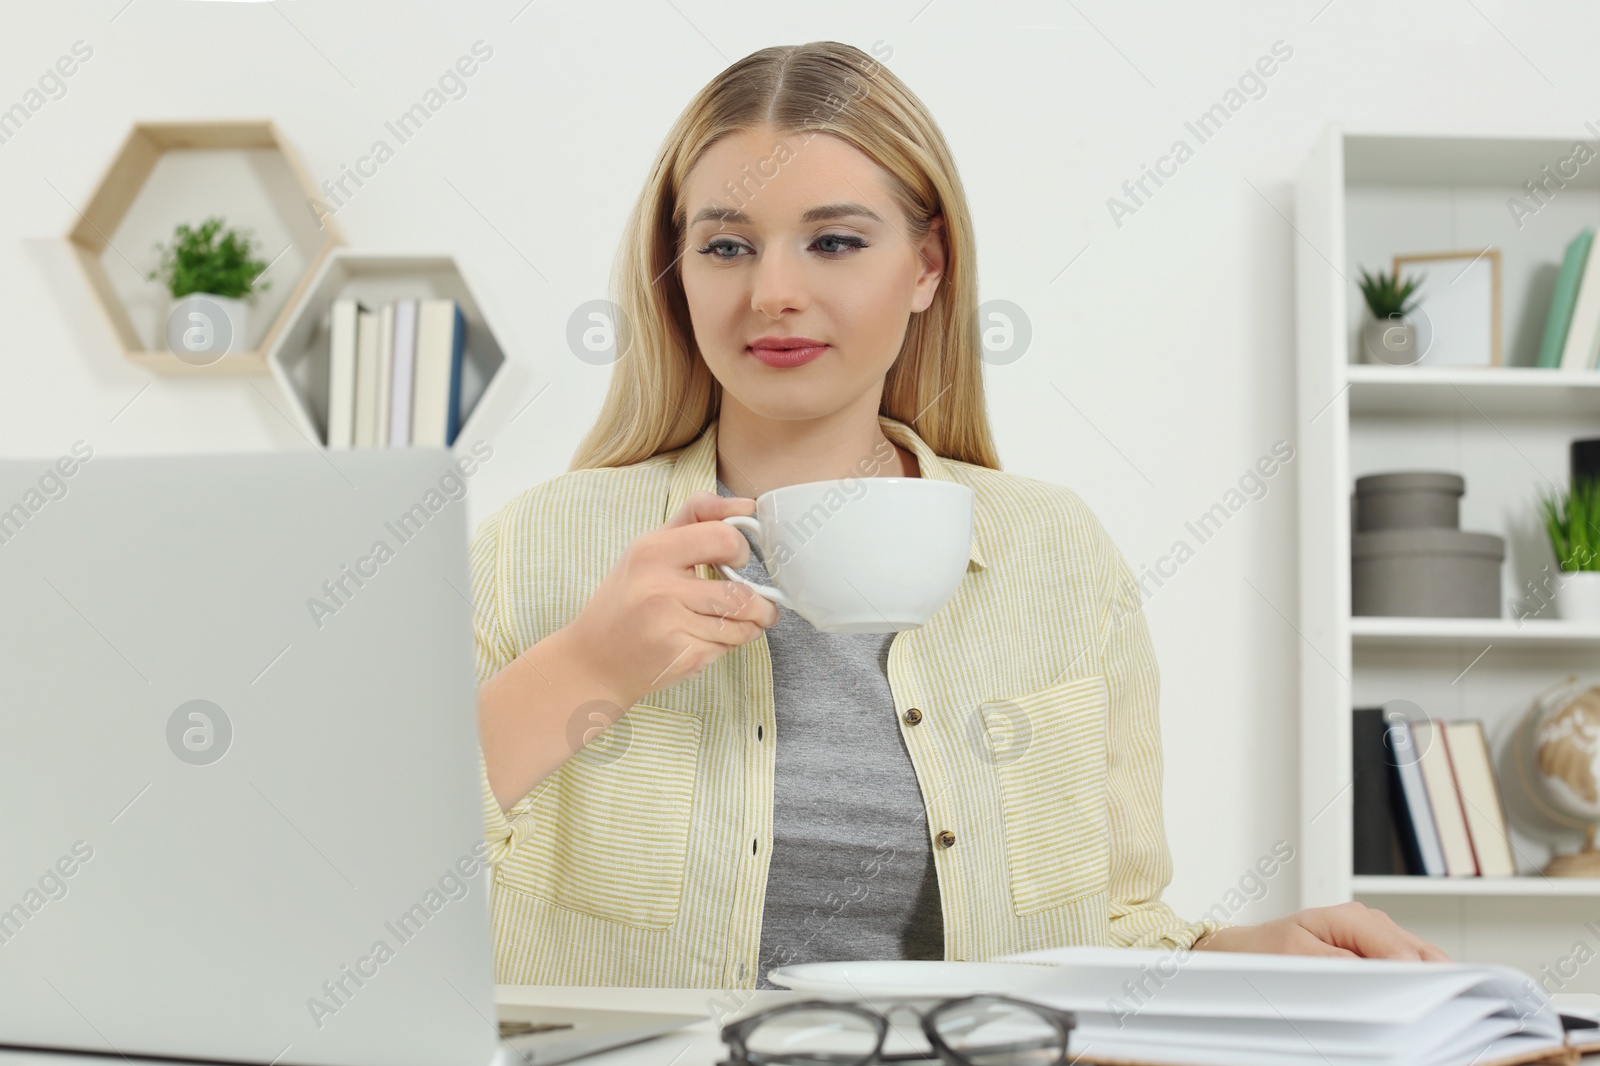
(695,1045)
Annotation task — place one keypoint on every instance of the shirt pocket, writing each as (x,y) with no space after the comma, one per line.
(1049,752)
(610,834)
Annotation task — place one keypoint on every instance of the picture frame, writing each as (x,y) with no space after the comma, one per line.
(1457,315)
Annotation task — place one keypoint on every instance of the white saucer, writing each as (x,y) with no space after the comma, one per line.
(888,978)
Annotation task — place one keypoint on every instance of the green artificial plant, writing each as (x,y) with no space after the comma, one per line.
(1387,296)
(1573,523)
(209,259)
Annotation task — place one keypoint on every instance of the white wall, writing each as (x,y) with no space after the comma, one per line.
(1161,364)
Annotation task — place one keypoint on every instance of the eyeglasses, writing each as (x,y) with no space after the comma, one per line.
(982,1030)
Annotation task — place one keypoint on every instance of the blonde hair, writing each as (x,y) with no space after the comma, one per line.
(662,395)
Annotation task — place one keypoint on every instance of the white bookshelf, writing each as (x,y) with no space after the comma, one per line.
(1361,197)
(1518,391)
(1399,633)
(1367,886)
(298,356)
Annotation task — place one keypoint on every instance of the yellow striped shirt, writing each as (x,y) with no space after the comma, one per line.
(1037,746)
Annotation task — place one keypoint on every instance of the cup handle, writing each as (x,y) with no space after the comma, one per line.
(746,522)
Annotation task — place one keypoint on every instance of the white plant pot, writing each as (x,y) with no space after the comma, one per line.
(202,327)
(1578,596)
(1389,340)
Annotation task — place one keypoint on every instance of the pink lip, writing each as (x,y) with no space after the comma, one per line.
(785,357)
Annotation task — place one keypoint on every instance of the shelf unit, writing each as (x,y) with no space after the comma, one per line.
(298,357)
(1362,197)
(165,173)
(1368,886)
(1372,632)
(1512,390)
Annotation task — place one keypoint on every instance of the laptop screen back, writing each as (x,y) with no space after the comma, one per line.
(239,778)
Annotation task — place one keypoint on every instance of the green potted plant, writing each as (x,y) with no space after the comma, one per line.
(1572,521)
(1388,336)
(211,273)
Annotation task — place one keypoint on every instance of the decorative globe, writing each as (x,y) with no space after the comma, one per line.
(1558,759)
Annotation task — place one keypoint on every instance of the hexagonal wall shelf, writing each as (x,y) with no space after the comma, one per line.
(299,354)
(171,172)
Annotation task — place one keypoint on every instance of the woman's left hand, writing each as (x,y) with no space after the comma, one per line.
(1349,929)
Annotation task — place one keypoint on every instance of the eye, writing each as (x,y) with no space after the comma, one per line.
(715,248)
(845,239)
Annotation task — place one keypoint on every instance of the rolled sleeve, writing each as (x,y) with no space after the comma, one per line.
(1141,864)
(502,830)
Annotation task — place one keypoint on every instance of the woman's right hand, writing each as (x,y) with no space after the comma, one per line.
(653,621)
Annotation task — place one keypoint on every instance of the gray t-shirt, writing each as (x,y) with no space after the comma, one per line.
(851,875)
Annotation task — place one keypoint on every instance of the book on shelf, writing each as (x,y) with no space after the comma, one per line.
(1481,799)
(1374,830)
(385,370)
(436,390)
(342,341)
(1449,820)
(1583,334)
(395,373)
(1426,801)
(405,351)
(1419,833)
(1559,318)
(365,420)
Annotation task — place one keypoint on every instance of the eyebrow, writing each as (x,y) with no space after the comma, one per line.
(825,213)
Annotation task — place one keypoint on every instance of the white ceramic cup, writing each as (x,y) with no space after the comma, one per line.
(862,554)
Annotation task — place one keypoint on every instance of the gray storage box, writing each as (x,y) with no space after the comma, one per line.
(1441,573)
(1417,499)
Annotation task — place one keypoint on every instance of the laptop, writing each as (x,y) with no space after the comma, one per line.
(239,806)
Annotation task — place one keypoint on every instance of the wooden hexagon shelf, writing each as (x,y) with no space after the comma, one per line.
(299,355)
(171,172)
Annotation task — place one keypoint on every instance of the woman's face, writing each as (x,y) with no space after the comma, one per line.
(791,239)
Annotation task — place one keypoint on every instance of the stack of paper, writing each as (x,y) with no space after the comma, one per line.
(1156,1007)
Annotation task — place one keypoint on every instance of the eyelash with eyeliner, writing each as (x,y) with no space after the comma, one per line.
(840,238)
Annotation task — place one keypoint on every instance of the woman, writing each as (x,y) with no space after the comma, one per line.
(798,278)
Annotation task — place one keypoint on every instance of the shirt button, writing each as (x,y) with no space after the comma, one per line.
(913,716)
(946,838)
(739,971)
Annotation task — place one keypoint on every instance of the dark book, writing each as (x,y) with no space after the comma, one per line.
(1376,836)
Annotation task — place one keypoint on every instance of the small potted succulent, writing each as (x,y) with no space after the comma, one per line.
(1573,522)
(212,273)
(1388,336)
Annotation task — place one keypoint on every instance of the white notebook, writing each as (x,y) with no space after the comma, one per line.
(1155,1007)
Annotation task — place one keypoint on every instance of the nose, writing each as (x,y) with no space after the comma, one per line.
(777,284)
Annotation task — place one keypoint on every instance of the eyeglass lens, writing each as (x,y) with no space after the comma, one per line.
(816,1037)
(996,1033)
